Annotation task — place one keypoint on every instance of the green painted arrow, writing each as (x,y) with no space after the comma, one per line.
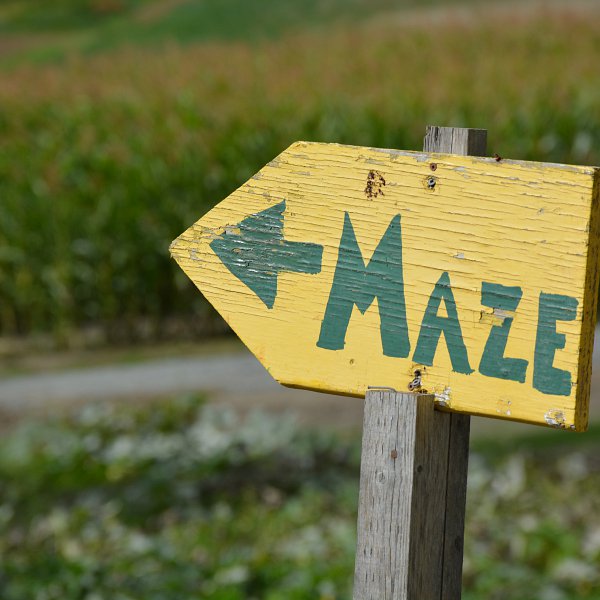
(257,253)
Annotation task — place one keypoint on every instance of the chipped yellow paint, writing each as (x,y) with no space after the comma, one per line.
(515,223)
(495,316)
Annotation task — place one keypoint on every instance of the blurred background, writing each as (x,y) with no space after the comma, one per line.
(145,454)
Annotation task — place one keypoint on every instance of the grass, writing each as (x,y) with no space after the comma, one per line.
(179,501)
(537,443)
(104,160)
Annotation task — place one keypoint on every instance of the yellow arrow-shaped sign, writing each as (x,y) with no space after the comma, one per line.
(475,279)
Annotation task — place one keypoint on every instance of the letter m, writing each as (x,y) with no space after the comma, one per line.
(354,283)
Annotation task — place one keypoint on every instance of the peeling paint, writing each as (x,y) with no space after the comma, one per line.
(213,233)
(496,317)
(555,418)
(209,233)
(503,314)
(394,154)
(503,407)
(231,230)
(443,398)
(460,255)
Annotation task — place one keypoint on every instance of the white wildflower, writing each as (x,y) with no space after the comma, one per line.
(232,575)
(139,543)
(573,467)
(552,592)
(510,482)
(591,543)
(572,570)
(121,448)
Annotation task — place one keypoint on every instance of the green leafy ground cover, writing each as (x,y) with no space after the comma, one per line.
(104,160)
(182,501)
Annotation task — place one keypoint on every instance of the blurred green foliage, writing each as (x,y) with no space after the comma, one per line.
(105,160)
(92,25)
(180,500)
(61,15)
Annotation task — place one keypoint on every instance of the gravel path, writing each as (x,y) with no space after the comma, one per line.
(236,380)
(220,375)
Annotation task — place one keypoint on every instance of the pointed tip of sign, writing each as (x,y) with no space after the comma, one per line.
(175,250)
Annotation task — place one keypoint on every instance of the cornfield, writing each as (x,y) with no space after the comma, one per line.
(104,159)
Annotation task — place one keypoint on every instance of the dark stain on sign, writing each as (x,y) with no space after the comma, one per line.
(375,185)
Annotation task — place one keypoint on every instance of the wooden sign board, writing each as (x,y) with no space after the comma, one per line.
(343,268)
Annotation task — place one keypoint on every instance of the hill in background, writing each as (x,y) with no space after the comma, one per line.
(41,30)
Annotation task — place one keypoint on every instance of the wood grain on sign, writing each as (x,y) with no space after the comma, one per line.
(344,267)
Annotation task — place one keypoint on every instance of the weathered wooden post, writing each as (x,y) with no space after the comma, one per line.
(469,281)
(413,480)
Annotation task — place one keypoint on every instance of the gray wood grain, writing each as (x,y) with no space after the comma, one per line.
(456,498)
(456,140)
(412,499)
(413,479)
(404,468)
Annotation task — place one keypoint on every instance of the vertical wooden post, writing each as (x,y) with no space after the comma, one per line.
(413,479)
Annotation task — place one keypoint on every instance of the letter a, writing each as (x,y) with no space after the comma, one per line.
(433,326)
